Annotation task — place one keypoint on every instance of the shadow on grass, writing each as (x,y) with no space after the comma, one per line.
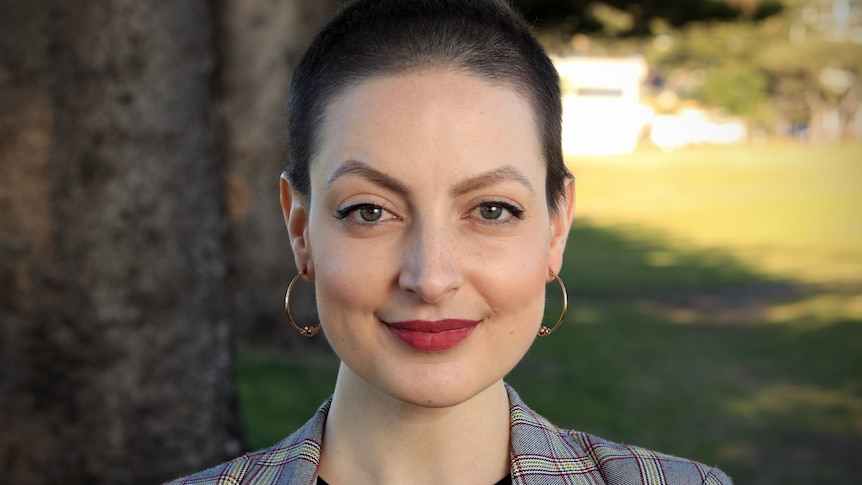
(627,261)
(666,347)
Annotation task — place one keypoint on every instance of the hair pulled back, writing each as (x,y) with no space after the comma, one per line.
(376,38)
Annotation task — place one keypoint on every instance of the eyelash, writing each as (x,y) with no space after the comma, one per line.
(344,213)
(517,212)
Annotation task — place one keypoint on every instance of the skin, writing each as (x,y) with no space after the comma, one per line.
(427,202)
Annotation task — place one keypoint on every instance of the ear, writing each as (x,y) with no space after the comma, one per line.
(296,219)
(561,223)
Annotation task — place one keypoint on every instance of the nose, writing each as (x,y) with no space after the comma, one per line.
(431,266)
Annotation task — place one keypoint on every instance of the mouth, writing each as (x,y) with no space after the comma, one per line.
(432,336)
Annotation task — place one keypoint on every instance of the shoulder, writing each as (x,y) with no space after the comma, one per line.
(543,453)
(620,463)
(291,460)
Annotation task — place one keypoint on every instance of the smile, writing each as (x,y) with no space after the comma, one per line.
(437,336)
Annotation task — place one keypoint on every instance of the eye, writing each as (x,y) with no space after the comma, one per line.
(364,213)
(369,214)
(498,211)
(488,211)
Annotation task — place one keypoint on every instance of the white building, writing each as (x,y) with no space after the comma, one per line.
(602,112)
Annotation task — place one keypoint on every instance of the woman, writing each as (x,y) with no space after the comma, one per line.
(427,199)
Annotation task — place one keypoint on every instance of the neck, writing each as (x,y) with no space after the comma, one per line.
(371,437)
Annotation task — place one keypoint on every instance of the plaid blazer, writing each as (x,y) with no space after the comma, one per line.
(542,454)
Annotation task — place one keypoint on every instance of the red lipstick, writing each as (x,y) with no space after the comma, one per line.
(437,336)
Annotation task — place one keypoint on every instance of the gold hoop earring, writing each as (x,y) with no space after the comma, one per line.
(545,331)
(304,331)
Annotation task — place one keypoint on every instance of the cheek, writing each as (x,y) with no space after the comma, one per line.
(514,280)
(350,280)
(520,298)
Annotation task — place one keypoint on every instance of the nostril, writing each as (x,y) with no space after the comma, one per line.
(429,281)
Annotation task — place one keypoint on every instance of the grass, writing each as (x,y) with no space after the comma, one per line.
(716,313)
(789,209)
(279,391)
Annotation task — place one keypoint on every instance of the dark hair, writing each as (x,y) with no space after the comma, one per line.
(375,38)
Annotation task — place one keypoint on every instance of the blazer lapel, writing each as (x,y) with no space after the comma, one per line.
(543,454)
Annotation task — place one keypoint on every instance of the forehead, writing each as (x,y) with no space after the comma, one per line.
(427,120)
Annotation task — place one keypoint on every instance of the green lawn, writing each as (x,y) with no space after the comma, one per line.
(789,209)
(716,313)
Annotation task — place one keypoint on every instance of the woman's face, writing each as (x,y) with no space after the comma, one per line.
(428,234)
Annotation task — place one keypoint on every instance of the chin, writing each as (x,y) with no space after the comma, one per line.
(434,400)
(439,394)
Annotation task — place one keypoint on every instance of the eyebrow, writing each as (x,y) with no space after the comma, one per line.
(487,179)
(355,167)
(491,177)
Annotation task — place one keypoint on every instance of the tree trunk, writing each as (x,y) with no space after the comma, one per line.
(114,347)
(261,42)
(816,108)
(848,108)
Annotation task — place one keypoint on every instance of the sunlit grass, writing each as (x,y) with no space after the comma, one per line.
(833,410)
(787,209)
(817,310)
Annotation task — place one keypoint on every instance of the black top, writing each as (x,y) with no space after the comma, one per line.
(507,480)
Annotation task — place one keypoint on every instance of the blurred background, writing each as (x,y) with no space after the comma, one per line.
(714,268)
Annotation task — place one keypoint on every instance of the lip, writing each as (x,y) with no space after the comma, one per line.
(432,336)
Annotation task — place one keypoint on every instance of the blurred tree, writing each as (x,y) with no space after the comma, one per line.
(571,16)
(740,87)
(261,42)
(815,67)
(714,63)
(579,16)
(818,82)
(792,65)
(115,363)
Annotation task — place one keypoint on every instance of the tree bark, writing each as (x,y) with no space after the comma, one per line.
(816,107)
(848,108)
(261,43)
(115,363)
